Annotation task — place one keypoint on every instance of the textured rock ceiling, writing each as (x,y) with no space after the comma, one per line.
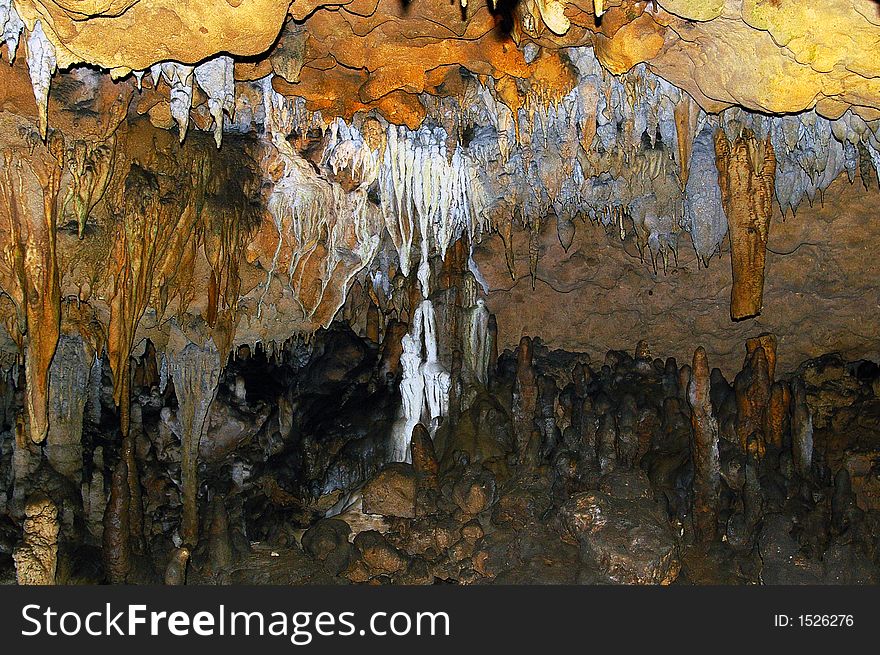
(765,55)
(237,170)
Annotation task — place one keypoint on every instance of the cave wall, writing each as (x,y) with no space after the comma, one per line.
(820,293)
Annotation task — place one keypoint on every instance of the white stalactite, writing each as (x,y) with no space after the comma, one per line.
(179,77)
(217,80)
(11,26)
(41,64)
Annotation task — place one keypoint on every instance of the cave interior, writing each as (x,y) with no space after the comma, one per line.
(371,291)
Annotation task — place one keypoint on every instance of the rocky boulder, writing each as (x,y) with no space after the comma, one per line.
(627,541)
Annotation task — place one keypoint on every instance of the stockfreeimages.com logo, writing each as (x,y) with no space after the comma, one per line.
(299,627)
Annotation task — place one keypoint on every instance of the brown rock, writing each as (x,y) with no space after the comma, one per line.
(474,492)
(378,554)
(806,290)
(746,174)
(424,459)
(626,540)
(327,541)
(392,492)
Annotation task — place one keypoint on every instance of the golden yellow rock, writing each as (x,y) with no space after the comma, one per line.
(124,34)
(700,10)
(633,43)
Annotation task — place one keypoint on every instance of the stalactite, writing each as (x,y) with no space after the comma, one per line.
(179,77)
(703,208)
(746,172)
(373,322)
(147,242)
(30,269)
(687,113)
(42,64)
(11,26)
(215,77)
(704,449)
(91,167)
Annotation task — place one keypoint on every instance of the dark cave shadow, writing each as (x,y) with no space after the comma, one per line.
(504,16)
(502,12)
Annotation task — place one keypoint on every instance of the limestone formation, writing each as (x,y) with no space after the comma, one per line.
(195,372)
(746,176)
(266,263)
(707,481)
(36,558)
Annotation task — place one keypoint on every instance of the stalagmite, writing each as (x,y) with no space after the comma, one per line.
(801,430)
(412,391)
(493,345)
(94,498)
(359,181)
(525,396)
(116,539)
(219,543)
(36,558)
(26,458)
(778,414)
(627,445)
(766,341)
(424,385)
(606,443)
(546,414)
(752,389)
(478,346)
(68,380)
(746,171)
(129,452)
(195,371)
(704,449)
(175,572)
(436,377)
